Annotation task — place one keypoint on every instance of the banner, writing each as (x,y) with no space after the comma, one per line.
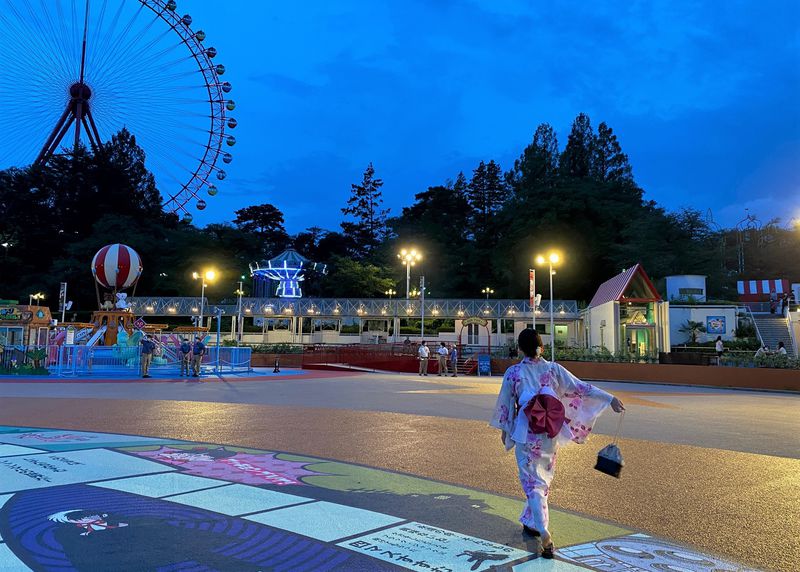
(62,297)
(532,287)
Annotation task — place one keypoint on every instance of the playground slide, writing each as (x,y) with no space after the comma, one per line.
(83,333)
(59,339)
(96,337)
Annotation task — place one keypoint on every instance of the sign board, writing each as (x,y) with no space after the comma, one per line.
(70,336)
(716,325)
(14,314)
(484,364)
(139,324)
(476,320)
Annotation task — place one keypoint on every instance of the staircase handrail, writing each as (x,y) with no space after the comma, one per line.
(755,325)
(791,332)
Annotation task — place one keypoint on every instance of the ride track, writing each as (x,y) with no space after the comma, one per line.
(116,68)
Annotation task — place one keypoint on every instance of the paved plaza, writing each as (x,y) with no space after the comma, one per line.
(372,471)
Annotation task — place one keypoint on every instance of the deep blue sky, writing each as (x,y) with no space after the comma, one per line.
(703,96)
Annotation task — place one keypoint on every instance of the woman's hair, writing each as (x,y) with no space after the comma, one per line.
(528,341)
(719,338)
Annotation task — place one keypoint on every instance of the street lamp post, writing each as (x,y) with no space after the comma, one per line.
(239,324)
(422,304)
(409,258)
(218,311)
(38,296)
(208,275)
(487,291)
(552,258)
(391,292)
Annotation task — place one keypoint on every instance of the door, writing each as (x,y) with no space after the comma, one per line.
(473,337)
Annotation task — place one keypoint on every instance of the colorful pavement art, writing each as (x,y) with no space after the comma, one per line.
(72,500)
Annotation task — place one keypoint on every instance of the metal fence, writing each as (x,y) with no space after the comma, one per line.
(98,361)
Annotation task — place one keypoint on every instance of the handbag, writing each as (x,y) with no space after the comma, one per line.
(609,459)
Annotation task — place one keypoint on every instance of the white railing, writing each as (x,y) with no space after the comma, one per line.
(365,308)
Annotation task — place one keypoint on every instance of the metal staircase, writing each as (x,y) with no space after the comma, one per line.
(774,328)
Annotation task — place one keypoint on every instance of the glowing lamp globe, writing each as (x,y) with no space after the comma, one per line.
(116,267)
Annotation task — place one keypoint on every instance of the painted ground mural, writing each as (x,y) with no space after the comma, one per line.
(72,500)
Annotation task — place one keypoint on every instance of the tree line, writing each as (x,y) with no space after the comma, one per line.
(478,229)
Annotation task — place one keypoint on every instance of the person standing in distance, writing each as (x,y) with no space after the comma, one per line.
(185,355)
(198,351)
(454,359)
(719,347)
(442,354)
(423,353)
(148,347)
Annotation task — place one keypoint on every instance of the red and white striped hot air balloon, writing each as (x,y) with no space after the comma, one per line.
(116,266)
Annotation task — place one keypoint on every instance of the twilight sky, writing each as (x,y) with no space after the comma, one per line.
(702,95)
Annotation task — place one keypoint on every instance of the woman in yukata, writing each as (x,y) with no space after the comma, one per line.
(536,452)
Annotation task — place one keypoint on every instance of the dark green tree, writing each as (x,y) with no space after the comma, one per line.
(609,163)
(576,160)
(437,223)
(354,278)
(266,222)
(537,167)
(368,229)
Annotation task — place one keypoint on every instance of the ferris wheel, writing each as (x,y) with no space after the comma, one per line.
(78,71)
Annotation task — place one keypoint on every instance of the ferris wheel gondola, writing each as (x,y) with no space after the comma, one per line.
(83,69)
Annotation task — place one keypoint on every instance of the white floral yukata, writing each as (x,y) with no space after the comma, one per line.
(536,453)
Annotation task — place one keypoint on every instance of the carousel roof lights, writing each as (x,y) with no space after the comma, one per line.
(288,269)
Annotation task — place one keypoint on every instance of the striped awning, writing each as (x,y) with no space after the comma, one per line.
(754,290)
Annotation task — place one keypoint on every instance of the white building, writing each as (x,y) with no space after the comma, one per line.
(718,320)
(686,287)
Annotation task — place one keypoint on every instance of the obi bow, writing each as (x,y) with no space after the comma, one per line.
(539,413)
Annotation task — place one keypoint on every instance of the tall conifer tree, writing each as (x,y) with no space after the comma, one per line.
(364,205)
(576,160)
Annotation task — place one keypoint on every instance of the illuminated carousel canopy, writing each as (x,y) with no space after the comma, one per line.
(288,269)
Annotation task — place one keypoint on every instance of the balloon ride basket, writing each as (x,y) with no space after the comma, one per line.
(112,320)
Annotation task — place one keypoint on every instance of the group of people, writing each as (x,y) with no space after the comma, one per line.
(190,355)
(446,356)
(779,304)
(765,350)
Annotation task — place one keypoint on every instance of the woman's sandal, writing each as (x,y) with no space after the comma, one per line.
(548,551)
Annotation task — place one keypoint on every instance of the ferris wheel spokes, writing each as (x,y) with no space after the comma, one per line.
(92,67)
